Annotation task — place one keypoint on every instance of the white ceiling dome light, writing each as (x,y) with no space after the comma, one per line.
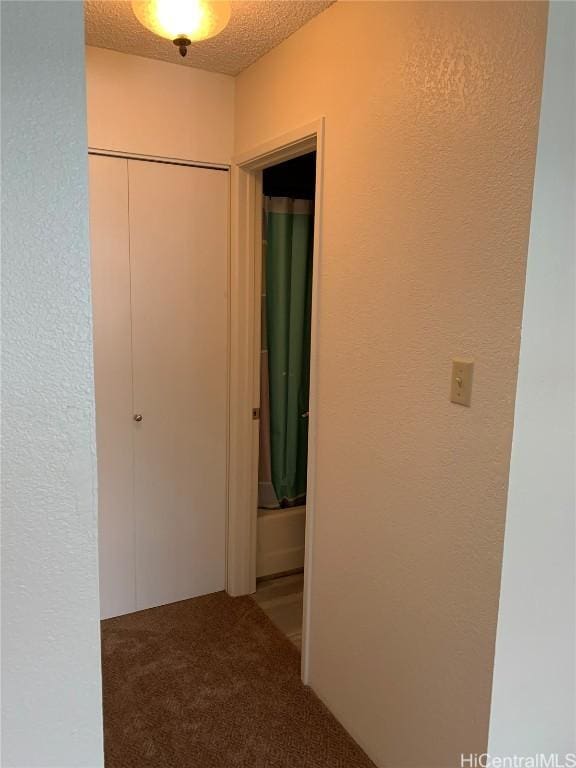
(183,21)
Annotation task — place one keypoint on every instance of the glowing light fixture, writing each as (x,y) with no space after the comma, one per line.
(183,21)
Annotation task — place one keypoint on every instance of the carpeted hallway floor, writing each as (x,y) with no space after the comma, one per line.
(211,683)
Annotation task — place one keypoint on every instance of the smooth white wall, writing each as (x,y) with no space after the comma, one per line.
(431,118)
(149,107)
(533,699)
(51,698)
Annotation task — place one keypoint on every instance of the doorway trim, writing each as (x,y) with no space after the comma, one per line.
(245,287)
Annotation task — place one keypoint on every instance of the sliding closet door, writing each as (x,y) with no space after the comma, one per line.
(113,382)
(179,257)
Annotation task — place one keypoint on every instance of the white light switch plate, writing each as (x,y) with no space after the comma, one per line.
(461,383)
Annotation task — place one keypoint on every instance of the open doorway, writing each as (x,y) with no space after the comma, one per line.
(288,193)
(245,353)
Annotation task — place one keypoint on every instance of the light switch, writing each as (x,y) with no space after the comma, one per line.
(461,385)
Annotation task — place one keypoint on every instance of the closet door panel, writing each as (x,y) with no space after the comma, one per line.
(113,381)
(179,264)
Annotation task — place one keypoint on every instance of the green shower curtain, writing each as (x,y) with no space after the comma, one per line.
(288,274)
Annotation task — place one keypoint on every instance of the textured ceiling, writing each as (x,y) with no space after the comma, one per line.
(255,27)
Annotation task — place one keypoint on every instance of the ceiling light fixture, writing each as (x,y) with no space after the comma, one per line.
(183,21)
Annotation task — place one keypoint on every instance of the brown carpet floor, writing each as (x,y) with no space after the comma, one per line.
(211,683)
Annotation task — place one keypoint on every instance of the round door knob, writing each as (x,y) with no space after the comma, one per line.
(137,417)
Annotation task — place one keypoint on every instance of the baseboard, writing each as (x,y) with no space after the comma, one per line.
(280,543)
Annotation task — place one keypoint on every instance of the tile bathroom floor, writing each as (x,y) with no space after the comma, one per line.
(281,599)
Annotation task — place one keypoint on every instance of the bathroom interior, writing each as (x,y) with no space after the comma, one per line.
(286,306)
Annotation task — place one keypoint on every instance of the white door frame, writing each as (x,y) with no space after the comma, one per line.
(246,259)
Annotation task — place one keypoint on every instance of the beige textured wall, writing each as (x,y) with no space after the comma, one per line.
(148,107)
(431,126)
